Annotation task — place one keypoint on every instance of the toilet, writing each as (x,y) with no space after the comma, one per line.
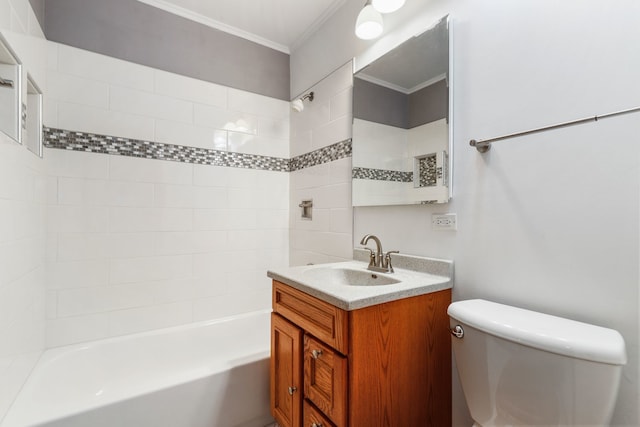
(522,368)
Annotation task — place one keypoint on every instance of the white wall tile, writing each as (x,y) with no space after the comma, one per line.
(254,144)
(213,176)
(174,243)
(104,68)
(211,219)
(222,118)
(190,89)
(69,330)
(148,104)
(270,128)
(143,319)
(5,14)
(145,170)
(257,104)
(171,132)
(211,266)
(341,220)
(131,270)
(77,90)
(21,10)
(77,219)
(149,219)
(132,244)
(76,164)
(341,104)
(77,274)
(106,122)
(210,197)
(82,246)
(173,196)
(332,132)
(121,193)
(225,305)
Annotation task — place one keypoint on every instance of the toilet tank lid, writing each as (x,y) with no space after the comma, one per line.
(542,331)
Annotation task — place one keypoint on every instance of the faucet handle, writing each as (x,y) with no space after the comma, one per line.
(387,260)
(372,256)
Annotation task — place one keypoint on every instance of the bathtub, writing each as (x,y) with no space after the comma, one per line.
(208,374)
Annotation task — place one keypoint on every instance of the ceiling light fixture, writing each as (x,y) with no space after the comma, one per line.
(369,23)
(387,6)
(297,105)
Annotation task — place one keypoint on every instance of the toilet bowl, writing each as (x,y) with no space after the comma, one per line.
(522,368)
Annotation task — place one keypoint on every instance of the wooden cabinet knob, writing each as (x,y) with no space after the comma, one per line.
(292,390)
(316,353)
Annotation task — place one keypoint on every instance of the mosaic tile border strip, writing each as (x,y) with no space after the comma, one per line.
(381,174)
(104,144)
(327,154)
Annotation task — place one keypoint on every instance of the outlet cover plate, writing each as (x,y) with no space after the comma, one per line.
(447,221)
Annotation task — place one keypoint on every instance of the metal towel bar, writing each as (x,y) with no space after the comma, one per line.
(485,145)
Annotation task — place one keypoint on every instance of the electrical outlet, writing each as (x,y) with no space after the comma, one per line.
(444,222)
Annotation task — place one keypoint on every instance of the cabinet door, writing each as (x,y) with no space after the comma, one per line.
(286,372)
(325,379)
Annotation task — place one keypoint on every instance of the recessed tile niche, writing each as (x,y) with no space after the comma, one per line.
(10,92)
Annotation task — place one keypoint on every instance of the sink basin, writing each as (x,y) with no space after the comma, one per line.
(349,276)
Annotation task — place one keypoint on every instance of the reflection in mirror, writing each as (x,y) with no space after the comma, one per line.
(402,124)
(10,92)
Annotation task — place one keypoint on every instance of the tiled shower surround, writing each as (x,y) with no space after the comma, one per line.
(169,197)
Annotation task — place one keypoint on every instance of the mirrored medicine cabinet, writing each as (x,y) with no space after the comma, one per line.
(402,123)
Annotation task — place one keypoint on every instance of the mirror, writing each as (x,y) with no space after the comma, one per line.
(402,123)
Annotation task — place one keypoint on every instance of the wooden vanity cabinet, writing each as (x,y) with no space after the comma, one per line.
(387,365)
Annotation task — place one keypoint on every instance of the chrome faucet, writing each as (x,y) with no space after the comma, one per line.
(378,260)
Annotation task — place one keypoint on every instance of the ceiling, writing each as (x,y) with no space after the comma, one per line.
(278,24)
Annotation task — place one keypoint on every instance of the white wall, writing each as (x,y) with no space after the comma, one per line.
(22,225)
(137,244)
(325,121)
(548,222)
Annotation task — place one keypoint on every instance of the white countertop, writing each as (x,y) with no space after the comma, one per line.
(352,297)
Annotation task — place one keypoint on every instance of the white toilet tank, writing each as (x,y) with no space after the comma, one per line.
(522,368)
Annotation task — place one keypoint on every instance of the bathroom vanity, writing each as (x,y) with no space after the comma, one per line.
(350,347)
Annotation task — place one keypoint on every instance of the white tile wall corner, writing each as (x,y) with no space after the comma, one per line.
(138,244)
(22,278)
(98,94)
(327,119)
(23,194)
(327,237)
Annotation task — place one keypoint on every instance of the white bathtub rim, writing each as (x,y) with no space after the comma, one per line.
(167,381)
(160,331)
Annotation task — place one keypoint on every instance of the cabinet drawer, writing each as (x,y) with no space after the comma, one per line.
(325,379)
(314,418)
(317,317)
